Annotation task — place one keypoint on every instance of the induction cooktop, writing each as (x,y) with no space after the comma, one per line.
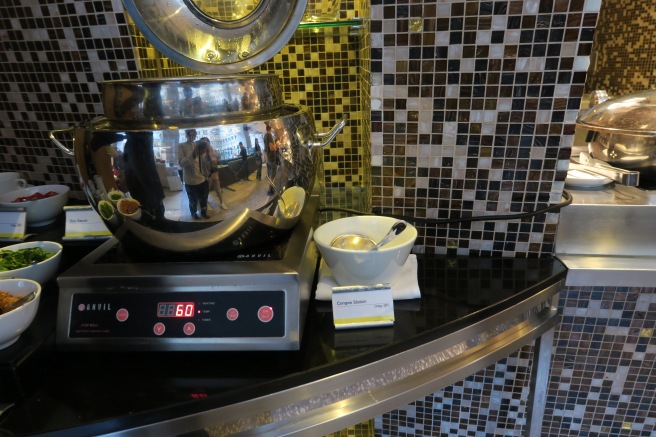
(115,299)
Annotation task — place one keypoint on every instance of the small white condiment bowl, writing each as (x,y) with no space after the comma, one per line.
(120,207)
(359,267)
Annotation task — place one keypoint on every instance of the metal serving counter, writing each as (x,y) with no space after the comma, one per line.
(472,313)
(607,237)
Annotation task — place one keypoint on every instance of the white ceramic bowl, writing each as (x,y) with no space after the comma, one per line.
(122,204)
(40,272)
(357,267)
(291,203)
(13,323)
(40,212)
(115,195)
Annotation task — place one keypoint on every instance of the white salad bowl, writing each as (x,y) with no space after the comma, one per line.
(40,272)
(40,212)
(16,321)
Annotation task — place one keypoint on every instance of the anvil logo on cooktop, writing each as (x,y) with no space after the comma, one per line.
(254,256)
(95,307)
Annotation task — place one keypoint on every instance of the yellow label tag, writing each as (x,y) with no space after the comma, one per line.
(84,222)
(362,306)
(13,224)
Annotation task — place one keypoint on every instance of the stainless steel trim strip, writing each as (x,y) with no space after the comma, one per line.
(347,398)
(542,352)
(366,405)
(609,271)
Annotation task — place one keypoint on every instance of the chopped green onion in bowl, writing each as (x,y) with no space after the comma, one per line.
(106,209)
(12,260)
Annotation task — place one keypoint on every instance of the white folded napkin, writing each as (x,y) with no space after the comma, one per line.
(404,286)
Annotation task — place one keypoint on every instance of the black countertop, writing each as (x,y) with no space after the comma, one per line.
(90,393)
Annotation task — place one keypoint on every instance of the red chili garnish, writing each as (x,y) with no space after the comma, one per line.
(35,196)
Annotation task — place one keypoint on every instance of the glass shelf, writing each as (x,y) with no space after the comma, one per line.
(354,23)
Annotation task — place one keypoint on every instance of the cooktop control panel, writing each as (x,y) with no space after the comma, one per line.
(184,315)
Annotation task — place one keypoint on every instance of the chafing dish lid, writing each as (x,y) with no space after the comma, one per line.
(632,114)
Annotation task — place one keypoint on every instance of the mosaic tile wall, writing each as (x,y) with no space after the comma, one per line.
(52,57)
(365,98)
(320,69)
(603,380)
(489,403)
(473,104)
(624,60)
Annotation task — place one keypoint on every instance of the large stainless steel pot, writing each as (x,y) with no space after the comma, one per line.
(129,149)
(623,132)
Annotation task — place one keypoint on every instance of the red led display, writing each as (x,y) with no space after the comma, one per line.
(175,309)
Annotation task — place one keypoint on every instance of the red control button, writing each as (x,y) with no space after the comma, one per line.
(122,315)
(265,314)
(189,328)
(232,314)
(159,328)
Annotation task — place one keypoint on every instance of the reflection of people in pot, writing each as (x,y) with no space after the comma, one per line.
(246,101)
(100,158)
(190,105)
(270,153)
(184,151)
(119,171)
(141,174)
(197,179)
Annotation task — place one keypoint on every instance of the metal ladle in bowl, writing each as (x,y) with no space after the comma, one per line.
(362,242)
(277,192)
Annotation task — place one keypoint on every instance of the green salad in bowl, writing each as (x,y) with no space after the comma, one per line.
(12,260)
(35,260)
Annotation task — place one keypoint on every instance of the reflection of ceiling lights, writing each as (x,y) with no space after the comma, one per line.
(208,52)
(634,158)
(626,103)
(211,55)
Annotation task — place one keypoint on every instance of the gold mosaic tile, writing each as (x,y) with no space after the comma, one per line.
(622,56)
(319,68)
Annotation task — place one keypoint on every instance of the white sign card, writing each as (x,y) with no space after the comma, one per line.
(83,222)
(13,224)
(361,306)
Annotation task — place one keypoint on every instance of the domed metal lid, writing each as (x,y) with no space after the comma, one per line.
(632,114)
(217,37)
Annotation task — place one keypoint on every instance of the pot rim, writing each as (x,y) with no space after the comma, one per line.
(195,97)
(104,124)
(199,78)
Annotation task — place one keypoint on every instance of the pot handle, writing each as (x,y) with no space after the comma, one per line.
(56,141)
(326,138)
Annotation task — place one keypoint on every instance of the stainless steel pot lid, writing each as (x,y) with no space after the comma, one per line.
(632,114)
(215,36)
(181,99)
